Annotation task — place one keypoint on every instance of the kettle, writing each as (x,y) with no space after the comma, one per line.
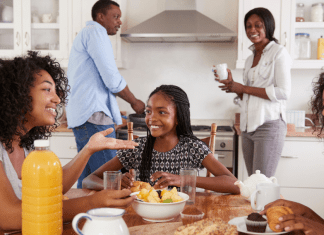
(104,221)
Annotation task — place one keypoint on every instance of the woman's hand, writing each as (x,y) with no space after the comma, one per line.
(113,198)
(302,219)
(99,142)
(127,180)
(229,85)
(297,208)
(294,222)
(165,180)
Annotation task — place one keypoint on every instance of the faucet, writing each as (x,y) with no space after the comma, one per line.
(306,118)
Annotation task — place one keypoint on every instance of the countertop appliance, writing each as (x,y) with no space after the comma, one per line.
(225,147)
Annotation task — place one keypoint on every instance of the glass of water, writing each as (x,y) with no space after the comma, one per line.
(188,177)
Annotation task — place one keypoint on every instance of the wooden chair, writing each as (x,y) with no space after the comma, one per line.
(211,141)
(131,136)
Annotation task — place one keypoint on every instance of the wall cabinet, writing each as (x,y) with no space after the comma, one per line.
(299,172)
(315,29)
(284,12)
(82,13)
(281,11)
(34,25)
(64,146)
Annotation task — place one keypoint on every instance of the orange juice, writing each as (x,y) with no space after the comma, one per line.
(42,192)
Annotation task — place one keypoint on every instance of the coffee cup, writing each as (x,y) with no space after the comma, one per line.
(264,194)
(221,70)
(47,18)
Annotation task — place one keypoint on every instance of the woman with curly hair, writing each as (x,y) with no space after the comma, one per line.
(304,218)
(31,88)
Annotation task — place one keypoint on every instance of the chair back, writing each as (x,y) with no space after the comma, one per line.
(211,141)
(131,136)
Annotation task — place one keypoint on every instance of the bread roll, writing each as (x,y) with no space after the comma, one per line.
(273,215)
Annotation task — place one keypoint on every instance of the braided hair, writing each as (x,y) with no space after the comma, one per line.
(267,18)
(180,99)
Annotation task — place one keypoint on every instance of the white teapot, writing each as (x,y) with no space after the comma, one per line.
(249,185)
(103,221)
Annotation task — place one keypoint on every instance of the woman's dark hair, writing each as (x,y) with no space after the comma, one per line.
(180,99)
(267,18)
(101,7)
(16,79)
(317,102)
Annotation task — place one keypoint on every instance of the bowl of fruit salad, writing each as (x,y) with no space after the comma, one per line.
(159,205)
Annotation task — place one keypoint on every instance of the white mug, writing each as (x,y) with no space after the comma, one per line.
(264,194)
(221,71)
(47,18)
(103,221)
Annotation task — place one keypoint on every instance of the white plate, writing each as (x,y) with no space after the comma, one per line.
(241,226)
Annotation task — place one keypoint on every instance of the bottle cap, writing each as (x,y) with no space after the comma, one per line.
(41,143)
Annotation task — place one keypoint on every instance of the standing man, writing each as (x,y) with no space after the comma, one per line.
(95,82)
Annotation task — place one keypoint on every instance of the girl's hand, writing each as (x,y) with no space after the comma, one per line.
(112,198)
(294,222)
(99,142)
(229,85)
(165,180)
(127,180)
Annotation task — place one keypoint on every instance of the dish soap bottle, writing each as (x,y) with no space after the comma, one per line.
(320,48)
(42,192)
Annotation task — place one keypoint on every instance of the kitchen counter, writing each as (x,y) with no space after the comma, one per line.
(297,132)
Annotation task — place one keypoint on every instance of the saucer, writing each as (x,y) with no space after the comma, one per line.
(241,226)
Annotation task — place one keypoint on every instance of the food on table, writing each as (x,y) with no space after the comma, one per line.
(191,214)
(138,185)
(165,196)
(207,227)
(256,223)
(274,213)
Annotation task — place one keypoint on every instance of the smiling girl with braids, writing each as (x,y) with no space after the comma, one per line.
(169,146)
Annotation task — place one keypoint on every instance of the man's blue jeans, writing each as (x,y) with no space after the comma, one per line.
(82,135)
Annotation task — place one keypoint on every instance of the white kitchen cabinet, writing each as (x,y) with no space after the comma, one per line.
(25,30)
(299,172)
(82,14)
(64,146)
(281,11)
(315,29)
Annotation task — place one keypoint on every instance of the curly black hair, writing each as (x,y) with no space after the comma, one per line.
(316,103)
(16,80)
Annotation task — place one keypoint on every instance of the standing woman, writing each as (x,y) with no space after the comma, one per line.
(267,85)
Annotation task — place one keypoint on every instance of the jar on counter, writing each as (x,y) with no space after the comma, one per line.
(303,40)
(317,12)
(300,12)
(297,46)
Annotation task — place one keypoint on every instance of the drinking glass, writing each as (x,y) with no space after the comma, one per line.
(112,180)
(188,177)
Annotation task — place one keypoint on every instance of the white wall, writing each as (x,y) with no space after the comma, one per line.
(188,65)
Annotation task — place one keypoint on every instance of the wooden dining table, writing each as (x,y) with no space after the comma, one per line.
(224,206)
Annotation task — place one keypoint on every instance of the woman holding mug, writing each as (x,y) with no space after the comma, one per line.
(263,96)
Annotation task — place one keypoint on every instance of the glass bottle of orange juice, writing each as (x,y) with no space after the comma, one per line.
(42,192)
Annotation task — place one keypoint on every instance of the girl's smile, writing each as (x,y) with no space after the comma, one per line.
(161,116)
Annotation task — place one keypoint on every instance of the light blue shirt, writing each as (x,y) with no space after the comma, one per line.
(93,77)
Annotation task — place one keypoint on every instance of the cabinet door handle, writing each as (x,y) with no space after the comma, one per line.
(288,157)
(26,39)
(73,147)
(17,38)
(221,156)
(285,39)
